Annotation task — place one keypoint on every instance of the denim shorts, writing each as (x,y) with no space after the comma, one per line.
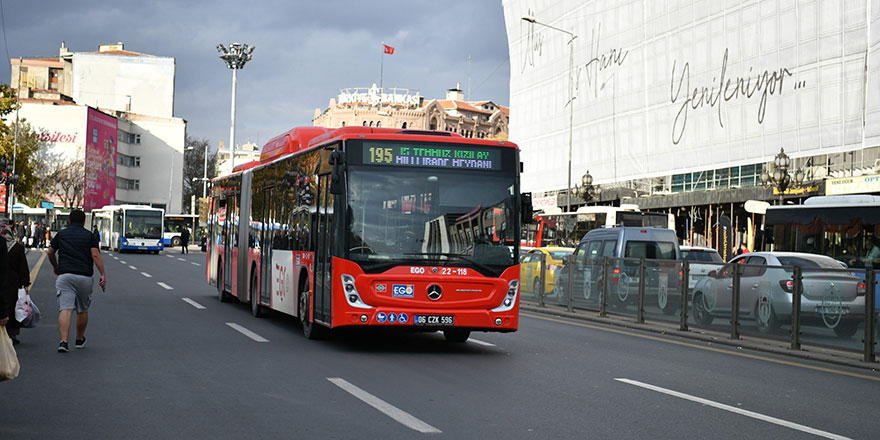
(74,292)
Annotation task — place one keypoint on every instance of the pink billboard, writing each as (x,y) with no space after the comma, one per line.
(100,185)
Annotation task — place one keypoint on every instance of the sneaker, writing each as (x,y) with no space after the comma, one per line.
(62,347)
(80,343)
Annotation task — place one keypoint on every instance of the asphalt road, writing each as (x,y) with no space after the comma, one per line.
(165,359)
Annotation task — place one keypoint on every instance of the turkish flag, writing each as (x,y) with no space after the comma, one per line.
(388,49)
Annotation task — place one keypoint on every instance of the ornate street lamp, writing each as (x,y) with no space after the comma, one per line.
(235,56)
(779,178)
(586,191)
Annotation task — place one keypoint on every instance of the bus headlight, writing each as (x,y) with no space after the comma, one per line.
(510,298)
(351,293)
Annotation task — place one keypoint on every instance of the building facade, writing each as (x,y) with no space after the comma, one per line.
(681,106)
(407,109)
(134,88)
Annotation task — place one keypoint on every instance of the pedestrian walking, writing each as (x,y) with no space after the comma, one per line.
(7,308)
(33,236)
(78,253)
(41,232)
(17,277)
(184,240)
(20,232)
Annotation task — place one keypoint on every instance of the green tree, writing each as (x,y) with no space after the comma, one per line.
(28,147)
(194,168)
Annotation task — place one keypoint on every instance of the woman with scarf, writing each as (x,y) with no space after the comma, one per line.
(17,276)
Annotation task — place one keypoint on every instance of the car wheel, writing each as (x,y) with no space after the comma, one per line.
(765,317)
(456,335)
(175,241)
(846,329)
(700,312)
(536,286)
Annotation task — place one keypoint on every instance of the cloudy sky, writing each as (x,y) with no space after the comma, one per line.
(305,51)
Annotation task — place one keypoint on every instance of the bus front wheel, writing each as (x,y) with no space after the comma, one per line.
(310,329)
(256,308)
(175,241)
(221,293)
(456,335)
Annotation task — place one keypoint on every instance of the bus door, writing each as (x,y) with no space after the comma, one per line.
(323,249)
(229,240)
(268,230)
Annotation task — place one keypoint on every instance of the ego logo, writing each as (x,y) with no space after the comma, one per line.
(402,290)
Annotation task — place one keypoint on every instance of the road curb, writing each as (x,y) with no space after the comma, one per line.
(818,354)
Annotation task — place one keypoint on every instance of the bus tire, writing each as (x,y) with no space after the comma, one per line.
(175,241)
(256,308)
(310,329)
(224,297)
(456,335)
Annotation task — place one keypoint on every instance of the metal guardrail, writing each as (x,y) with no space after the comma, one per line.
(812,306)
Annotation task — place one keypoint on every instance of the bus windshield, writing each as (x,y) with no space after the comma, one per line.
(143,224)
(431,216)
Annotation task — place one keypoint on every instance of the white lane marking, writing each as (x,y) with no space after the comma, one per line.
(169,256)
(132,267)
(165,286)
(194,263)
(181,259)
(146,275)
(735,410)
(386,408)
(479,342)
(122,261)
(116,258)
(193,303)
(247,332)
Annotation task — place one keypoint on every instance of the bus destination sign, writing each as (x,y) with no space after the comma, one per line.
(431,155)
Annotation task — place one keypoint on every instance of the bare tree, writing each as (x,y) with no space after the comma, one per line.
(66,180)
(194,168)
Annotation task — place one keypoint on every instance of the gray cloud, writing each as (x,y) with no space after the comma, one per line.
(306,51)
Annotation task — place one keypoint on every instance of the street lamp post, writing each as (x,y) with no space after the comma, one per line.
(571,36)
(235,56)
(586,191)
(8,178)
(779,178)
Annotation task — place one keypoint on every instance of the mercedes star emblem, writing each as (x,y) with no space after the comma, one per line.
(434,292)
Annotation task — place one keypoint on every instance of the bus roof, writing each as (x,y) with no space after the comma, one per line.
(305,138)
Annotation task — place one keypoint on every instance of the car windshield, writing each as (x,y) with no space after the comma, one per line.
(702,256)
(559,255)
(435,216)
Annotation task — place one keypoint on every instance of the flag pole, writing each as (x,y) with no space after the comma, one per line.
(382,67)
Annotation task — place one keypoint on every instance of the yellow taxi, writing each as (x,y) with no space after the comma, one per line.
(530,267)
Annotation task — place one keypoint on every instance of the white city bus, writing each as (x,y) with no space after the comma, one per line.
(129,227)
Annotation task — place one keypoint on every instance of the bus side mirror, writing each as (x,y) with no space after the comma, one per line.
(526,208)
(337,160)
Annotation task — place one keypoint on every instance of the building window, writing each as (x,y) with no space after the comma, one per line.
(129,161)
(54,78)
(128,138)
(378,123)
(404,125)
(129,184)
(365,123)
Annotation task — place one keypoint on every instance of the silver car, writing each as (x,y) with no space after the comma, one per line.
(831,296)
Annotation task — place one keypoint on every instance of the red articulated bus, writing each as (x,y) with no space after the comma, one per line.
(361,226)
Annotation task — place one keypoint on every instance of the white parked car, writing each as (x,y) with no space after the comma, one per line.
(702,260)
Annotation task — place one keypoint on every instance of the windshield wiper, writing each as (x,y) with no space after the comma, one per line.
(479,265)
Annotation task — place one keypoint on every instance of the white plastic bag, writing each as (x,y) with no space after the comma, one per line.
(26,311)
(8,359)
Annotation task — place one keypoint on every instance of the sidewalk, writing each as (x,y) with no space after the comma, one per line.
(820,354)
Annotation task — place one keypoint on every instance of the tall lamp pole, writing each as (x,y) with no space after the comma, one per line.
(571,36)
(235,56)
